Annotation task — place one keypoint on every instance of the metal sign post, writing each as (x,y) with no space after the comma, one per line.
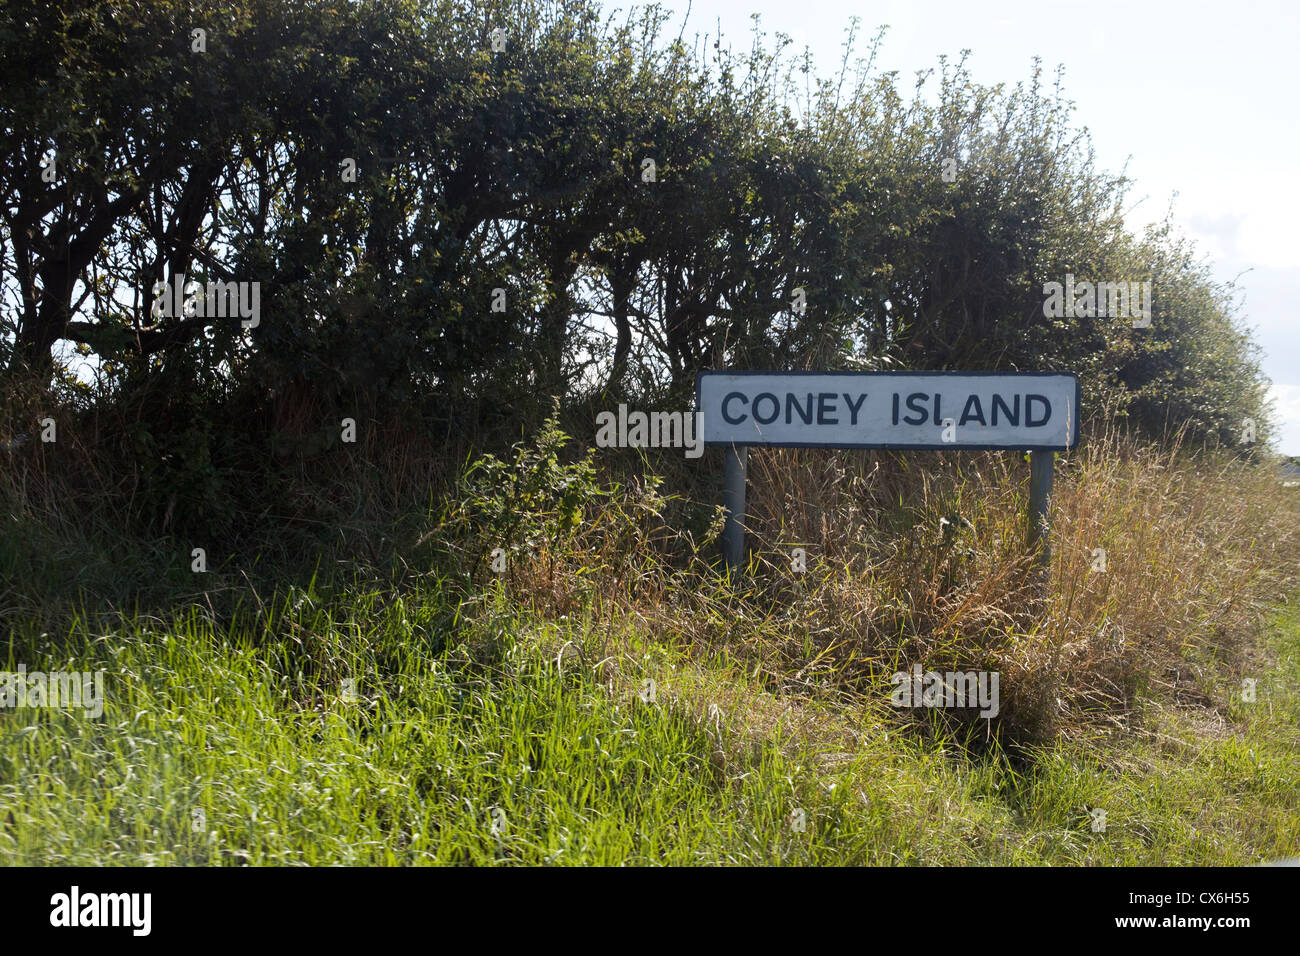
(1042,469)
(1038,411)
(733,499)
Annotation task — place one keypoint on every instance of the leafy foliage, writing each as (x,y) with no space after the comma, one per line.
(535,500)
(921,232)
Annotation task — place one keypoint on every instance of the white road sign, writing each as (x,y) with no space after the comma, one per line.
(1029,411)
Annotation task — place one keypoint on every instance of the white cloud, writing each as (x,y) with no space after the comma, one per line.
(1286,400)
(1236,210)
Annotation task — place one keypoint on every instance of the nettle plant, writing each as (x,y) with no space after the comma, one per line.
(512,508)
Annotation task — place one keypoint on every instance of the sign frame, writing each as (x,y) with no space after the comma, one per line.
(1073,438)
(1042,458)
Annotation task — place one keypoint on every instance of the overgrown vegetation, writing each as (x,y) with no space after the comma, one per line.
(609,698)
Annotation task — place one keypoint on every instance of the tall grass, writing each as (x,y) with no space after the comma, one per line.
(1161,560)
(611,697)
(511,740)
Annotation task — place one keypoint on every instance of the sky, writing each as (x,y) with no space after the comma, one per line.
(1197,98)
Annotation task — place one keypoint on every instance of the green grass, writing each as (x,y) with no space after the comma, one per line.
(468,717)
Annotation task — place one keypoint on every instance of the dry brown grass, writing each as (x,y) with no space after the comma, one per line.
(922,559)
